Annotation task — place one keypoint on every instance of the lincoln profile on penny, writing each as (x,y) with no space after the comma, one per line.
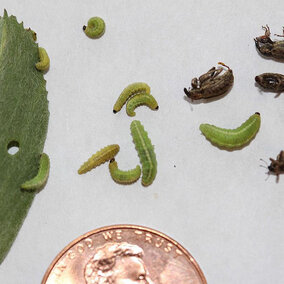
(117,263)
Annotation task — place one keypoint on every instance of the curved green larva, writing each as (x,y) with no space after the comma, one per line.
(123,177)
(44,61)
(145,151)
(95,27)
(40,179)
(138,100)
(105,154)
(129,91)
(232,138)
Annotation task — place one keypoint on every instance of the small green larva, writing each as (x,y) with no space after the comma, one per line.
(138,100)
(123,177)
(105,154)
(32,33)
(145,151)
(95,27)
(44,61)
(232,138)
(129,91)
(40,179)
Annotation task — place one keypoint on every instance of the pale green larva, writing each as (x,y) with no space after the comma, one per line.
(95,27)
(40,179)
(44,61)
(123,177)
(129,91)
(138,100)
(232,138)
(145,151)
(105,154)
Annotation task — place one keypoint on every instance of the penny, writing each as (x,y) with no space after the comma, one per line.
(123,254)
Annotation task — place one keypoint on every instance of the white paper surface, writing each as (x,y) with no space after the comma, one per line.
(216,203)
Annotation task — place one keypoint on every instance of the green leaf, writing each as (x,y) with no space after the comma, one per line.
(23,121)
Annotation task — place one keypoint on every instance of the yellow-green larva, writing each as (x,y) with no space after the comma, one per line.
(145,151)
(44,61)
(123,177)
(232,138)
(105,154)
(95,27)
(130,90)
(40,179)
(138,100)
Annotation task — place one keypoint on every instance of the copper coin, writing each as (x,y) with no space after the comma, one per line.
(124,254)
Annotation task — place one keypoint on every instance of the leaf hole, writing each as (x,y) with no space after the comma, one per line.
(13,147)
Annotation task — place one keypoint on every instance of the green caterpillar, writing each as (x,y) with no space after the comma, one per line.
(123,177)
(145,151)
(95,27)
(138,100)
(232,138)
(129,91)
(44,61)
(105,154)
(40,179)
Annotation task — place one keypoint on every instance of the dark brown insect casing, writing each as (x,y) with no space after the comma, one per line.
(213,88)
(274,49)
(268,47)
(271,81)
(278,49)
(277,166)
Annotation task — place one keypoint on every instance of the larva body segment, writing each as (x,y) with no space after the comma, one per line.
(95,27)
(145,151)
(232,138)
(138,100)
(40,179)
(123,177)
(130,90)
(44,61)
(105,154)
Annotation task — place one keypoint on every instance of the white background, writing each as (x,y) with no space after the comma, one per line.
(216,203)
